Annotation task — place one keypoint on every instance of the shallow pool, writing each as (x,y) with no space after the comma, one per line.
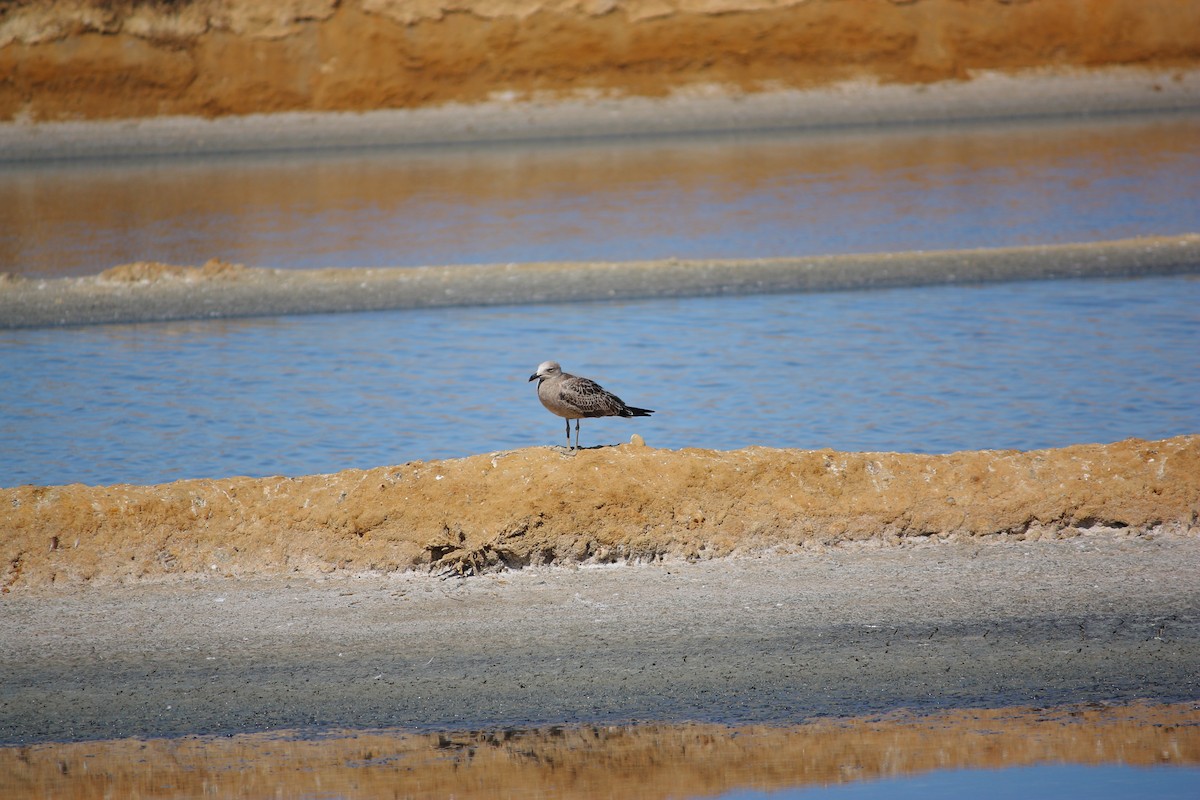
(735,196)
(931,369)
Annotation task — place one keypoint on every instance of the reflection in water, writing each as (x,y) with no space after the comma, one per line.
(731,196)
(928,369)
(648,761)
(1050,781)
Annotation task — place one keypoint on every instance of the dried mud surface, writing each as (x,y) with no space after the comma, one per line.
(542,506)
(71,60)
(848,630)
(650,761)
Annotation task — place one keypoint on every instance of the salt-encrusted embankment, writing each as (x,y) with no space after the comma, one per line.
(540,506)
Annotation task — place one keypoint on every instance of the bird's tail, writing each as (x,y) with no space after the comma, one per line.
(636,412)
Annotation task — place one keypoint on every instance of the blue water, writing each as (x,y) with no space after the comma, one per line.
(932,369)
(751,195)
(1050,781)
(1021,365)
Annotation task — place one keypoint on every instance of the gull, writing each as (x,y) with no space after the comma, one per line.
(574,398)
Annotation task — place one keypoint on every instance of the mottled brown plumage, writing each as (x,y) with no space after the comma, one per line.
(575,398)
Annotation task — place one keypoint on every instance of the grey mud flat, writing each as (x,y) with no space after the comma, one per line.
(267,292)
(778,638)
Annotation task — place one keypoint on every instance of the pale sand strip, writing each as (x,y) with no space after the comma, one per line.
(152,292)
(1041,93)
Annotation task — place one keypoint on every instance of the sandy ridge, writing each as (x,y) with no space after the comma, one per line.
(144,292)
(539,506)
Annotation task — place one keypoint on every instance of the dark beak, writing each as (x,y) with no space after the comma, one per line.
(532,377)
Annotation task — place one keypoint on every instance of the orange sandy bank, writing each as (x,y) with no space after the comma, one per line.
(647,761)
(541,506)
(61,59)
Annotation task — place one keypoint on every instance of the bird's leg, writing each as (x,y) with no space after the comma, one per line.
(576,435)
(568,434)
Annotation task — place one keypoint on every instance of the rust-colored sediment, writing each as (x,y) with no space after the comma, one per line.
(73,59)
(538,505)
(647,761)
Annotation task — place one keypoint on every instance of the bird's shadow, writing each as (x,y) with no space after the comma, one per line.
(568,451)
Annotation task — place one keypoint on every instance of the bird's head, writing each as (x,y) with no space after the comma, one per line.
(545,370)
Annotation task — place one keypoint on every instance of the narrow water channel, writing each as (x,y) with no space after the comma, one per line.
(743,196)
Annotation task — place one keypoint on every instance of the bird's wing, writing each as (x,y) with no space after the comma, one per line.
(590,397)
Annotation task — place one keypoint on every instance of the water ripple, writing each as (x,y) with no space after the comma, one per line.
(931,369)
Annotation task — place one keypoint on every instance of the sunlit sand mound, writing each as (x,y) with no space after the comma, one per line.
(649,761)
(543,506)
(142,272)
